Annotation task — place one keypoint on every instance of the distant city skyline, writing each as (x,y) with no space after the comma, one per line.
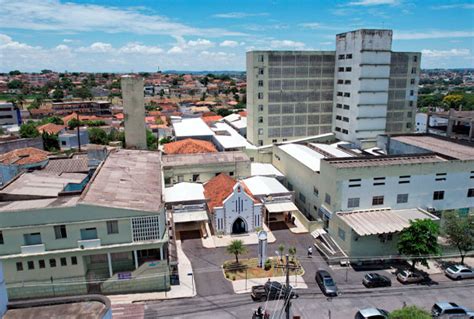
(144,35)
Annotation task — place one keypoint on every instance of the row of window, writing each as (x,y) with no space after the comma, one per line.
(344,56)
(346,69)
(342,130)
(342,106)
(342,118)
(60,232)
(341,81)
(345,94)
(42,263)
(401,198)
(379,181)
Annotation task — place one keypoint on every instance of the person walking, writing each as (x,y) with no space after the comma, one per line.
(310,252)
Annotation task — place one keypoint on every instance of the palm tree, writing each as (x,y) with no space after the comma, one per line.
(281,249)
(236,247)
(292,252)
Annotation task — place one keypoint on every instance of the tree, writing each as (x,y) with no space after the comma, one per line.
(410,312)
(50,142)
(236,248)
(97,136)
(151,140)
(292,252)
(73,123)
(53,119)
(281,249)
(460,232)
(15,84)
(46,71)
(2,131)
(453,101)
(419,240)
(165,140)
(28,130)
(58,94)
(82,93)
(14,72)
(223,112)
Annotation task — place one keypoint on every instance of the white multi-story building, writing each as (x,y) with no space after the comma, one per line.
(371,91)
(9,115)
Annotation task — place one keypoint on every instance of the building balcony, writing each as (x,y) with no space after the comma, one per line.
(89,243)
(33,249)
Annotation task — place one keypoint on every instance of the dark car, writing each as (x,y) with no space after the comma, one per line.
(272,290)
(373,279)
(326,283)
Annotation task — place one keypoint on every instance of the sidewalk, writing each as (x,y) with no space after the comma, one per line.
(183,290)
(297,282)
(299,229)
(248,239)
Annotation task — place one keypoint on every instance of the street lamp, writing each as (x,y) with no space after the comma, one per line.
(192,280)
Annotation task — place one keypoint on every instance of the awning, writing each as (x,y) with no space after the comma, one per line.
(281,207)
(194,216)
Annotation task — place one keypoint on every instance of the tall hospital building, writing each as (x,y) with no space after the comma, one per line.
(359,91)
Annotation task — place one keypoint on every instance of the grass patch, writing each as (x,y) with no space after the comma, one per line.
(237,271)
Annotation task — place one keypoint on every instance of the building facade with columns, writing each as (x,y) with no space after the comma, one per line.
(107,237)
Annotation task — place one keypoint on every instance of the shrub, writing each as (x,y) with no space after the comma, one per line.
(233,278)
(268,264)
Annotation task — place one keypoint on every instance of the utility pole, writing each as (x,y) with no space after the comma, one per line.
(287,268)
(78,132)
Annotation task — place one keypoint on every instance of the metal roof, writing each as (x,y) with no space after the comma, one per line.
(382,221)
(281,207)
(194,216)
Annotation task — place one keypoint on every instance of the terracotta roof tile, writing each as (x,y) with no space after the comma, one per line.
(189,146)
(210,119)
(24,156)
(217,189)
(51,128)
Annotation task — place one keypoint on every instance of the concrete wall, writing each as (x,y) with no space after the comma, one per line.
(134,112)
(3,292)
(7,146)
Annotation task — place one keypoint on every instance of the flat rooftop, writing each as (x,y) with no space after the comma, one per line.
(438,145)
(184,192)
(263,185)
(22,205)
(264,169)
(359,162)
(129,179)
(89,309)
(191,127)
(176,160)
(228,137)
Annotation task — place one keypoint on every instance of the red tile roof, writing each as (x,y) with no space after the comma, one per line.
(51,128)
(73,115)
(24,156)
(189,146)
(217,189)
(243,113)
(210,119)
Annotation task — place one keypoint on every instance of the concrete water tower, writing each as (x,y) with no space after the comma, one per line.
(134,112)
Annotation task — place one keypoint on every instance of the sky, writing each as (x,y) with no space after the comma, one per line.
(151,35)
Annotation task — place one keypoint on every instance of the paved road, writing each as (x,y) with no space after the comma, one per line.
(312,304)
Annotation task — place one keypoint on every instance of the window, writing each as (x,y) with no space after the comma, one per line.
(348,69)
(327,199)
(63,143)
(345,119)
(274,141)
(344,131)
(341,233)
(89,233)
(63,261)
(378,181)
(347,82)
(377,200)
(52,263)
(260,58)
(260,83)
(195,177)
(260,96)
(339,106)
(260,119)
(302,197)
(73,260)
(438,195)
(260,108)
(231,173)
(340,69)
(340,81)
(413,70)
(260,131)
(260,142)
(41,263)
(19,266)
(470,192)
(112,227)
(415,58)
(410,103)
(405,179)
(31,265)
(60,231)
(1,238)
(338,129)
(338,117)
(260,71)
(347,94)
(412,92)
(315,191)
(32,239)
(340,57)
(402,198)
(412,81)
(339,93)
(408,125)
(353,202)
(409,114)
(346,107)
(440,177)
(349,56)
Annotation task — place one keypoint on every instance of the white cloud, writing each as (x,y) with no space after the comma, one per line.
(62,47)
(432,35)
(140,49)
(373,2)
(201,43)
(175,49)
(239,15)
(54,15)
(454,6)
(68,41)
(229,43)
(445,53)
(98,47)
(310,25)
(286,44)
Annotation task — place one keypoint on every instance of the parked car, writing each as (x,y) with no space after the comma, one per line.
(272,290)
(326,283)
(371,313)
(450,310)
(373,279)
(459,272)
(410,277)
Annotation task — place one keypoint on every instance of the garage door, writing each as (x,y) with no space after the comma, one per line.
(190,234)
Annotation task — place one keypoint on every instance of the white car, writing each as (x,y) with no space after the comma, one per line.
(459,272)
(371,313)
